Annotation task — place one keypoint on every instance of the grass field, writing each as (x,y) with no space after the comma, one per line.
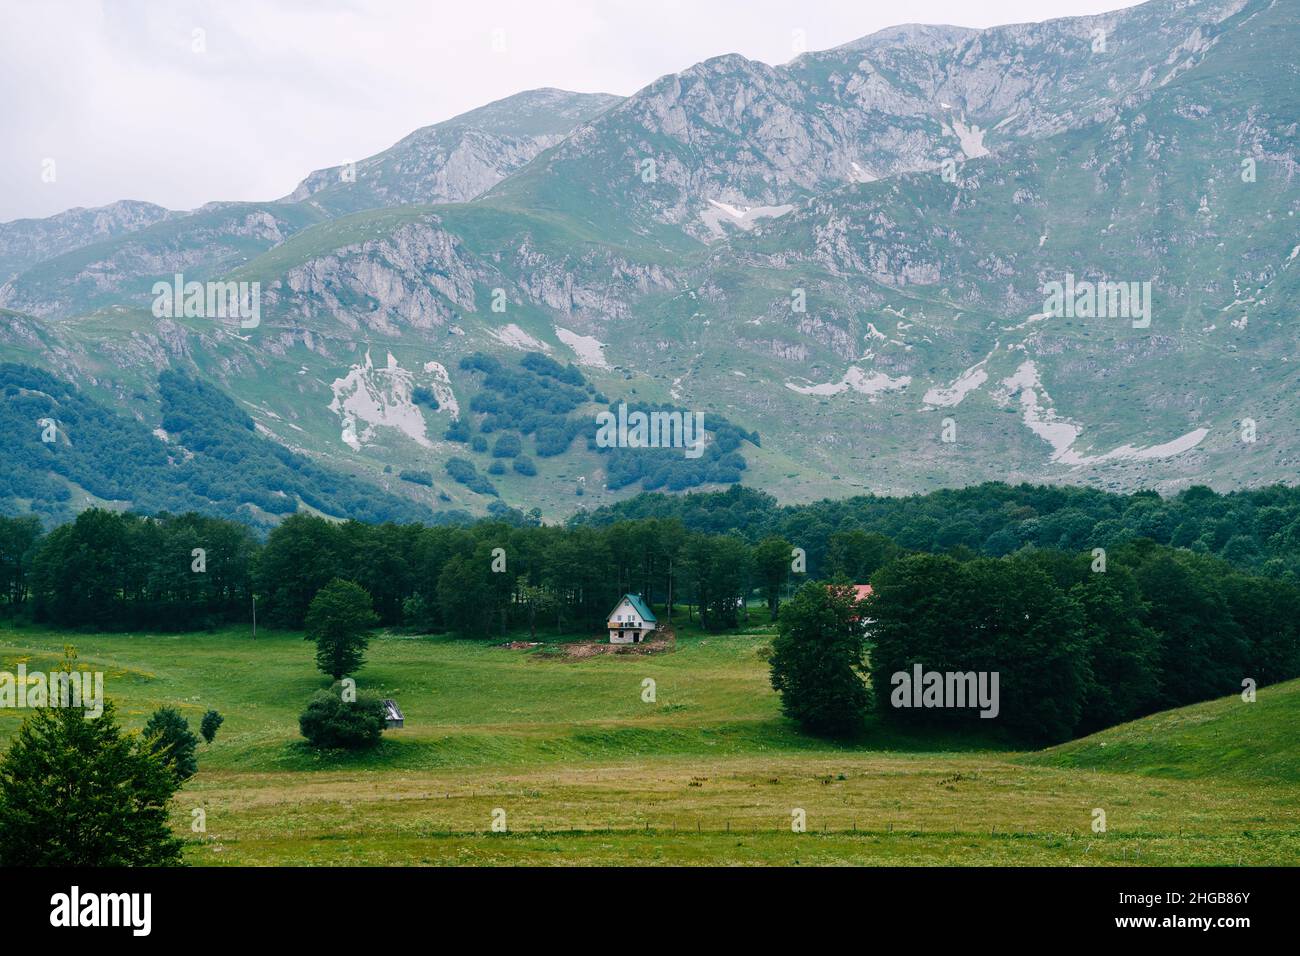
(587,772)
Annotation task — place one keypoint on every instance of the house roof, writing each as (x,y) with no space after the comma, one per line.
(392,711)
(861,591)
(637,605)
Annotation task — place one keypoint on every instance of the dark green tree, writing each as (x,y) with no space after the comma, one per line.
(74,791)
(772,557)
(210,724)
(170,737)
(300,558)
(859,554)
(817,665)
(339,620)
(1123,654)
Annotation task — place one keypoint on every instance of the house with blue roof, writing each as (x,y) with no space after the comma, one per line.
(631,621)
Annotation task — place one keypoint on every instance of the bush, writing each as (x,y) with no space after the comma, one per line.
(423,395)
(331,723)
(463,472)
(416,477)
(524,465)
(507,446)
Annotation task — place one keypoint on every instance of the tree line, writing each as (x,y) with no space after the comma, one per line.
(1082,639)
(1257,530)
(1065,644)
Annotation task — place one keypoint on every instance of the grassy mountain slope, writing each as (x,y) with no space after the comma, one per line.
(1228,739)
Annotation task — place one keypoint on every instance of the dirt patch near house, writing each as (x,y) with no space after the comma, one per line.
(663,642)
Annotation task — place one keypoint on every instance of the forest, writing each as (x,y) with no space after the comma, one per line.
(1097,608)
(535,398)
(227,469)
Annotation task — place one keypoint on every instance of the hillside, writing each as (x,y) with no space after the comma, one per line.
(1228,739)
(70,452)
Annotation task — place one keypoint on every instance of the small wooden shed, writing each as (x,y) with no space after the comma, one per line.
(393,716)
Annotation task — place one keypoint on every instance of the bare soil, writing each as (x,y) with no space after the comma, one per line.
(664,641)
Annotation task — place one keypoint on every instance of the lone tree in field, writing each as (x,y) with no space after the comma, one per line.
(169,735)
(211,722)
(75,792)
(817,662)
(339,621)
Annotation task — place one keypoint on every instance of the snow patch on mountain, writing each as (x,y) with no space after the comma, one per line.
(971,138)
(1036,317)
(743,217)
(861,175)
(950,396)
(871,385)
(441,387)
(369,398)
(515,337)
(1061,433)
(589,349)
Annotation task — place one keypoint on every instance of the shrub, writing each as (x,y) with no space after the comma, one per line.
(417,477)
(507,446)
(331,723)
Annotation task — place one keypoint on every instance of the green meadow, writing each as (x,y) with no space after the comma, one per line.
(584,770)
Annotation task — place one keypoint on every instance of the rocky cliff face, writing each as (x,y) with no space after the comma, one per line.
(457,160)
(734,135)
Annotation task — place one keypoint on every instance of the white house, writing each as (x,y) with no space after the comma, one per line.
(631,621)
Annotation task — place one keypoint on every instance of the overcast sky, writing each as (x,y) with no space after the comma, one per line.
(129,102)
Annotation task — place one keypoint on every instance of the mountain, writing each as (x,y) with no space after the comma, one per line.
(849,255)
(25,242)
(457,160)
(448,162)
(732,133)
(201,245)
